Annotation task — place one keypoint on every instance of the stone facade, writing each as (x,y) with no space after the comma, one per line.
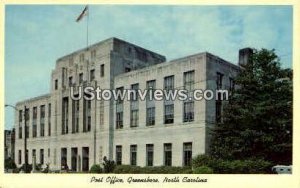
(64,132)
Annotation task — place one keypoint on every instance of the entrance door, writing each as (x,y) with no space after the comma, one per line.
(74,159)
(85,159)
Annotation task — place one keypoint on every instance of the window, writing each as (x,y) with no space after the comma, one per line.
(169,104)
(34,122)
(65,115)
(134,118)
(20,157)
(33,153)
(150,103)
(231,84)
(86,115)
(102,70)
(80,78)
(189,80)
(169,83)
(56,84)
(187,154)
(119,121)
(85,159)
(49,119)
(48,152)
(219,80)
(188,111)
(150,116)
(119,155)
(41,156)
(101,114)
(20,123)
(81,57)
(218,110)
(149,154)
(92,75)
(42,120)
(75,116)
(93,54)
(169,113)
(63,158)
(168,154)
(133,154)
(134,106)
(70,81)
(119,110)
(27,117)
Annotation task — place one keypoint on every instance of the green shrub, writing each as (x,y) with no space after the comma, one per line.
(243,167)
(108,165)
(219,166)
(203,170)
(28,168)
(9,164)
(96,169)
(201,160)
(128,169)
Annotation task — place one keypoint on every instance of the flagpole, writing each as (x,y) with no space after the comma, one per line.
(87,29)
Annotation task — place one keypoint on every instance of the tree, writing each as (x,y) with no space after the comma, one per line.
(257,121)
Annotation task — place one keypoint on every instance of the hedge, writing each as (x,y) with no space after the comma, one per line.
(128,169)
(219,166)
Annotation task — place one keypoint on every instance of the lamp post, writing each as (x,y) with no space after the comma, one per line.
(25,137)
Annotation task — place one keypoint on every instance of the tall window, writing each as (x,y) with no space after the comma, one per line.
(149,154)
(134,107)
(20,157)
(169,113)
(20,123)
(75,116)
(150,103)
(70,81)
(92,75)
(34,122)
(27,117)
(169,104)
(86,115)
(33,153)
(56,84)
(231,84)
(188,111)
(168,154)
(189,80)
(187,154)
(42,120)
(119,110)
(49,119)
(41,156)
(219,80)
(218,110)
(65,115)
(101,114)
(133,154)
(119,155)
(93,54)
(102,70)
(81,57)
(80,78)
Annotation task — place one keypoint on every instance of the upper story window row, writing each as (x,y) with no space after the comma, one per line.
(91,75)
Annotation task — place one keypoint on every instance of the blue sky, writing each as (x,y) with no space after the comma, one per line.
(37,35)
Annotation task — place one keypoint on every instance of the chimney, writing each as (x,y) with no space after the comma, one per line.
(244,55)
